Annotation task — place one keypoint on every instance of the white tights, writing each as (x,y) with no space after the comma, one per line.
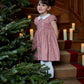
(49,64)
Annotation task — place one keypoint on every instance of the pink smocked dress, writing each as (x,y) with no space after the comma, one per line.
(45,39)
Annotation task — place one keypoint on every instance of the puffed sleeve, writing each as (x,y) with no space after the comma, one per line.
(35,21)
(53,18)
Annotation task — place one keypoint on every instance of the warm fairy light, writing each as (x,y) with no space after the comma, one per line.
(29,16)
(20,34)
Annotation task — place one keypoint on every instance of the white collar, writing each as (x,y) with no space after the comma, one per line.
(44,17)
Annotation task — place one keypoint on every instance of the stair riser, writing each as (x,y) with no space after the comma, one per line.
(75,45)
(65,74)
(65,57)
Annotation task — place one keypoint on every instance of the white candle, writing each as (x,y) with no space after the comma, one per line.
(82,47)
(31,34)
(29,16)
(73,26)
(71,34)
(65,34)
(83,60)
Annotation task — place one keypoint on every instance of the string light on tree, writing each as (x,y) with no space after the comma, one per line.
(29,16)
(20,34)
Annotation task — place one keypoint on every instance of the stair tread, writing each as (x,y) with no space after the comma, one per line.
(73,81)
(64,52)
(71,40)
(64,67)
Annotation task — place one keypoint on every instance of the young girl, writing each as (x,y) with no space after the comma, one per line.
(45,39)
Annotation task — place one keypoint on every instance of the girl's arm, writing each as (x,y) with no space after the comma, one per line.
(54,25)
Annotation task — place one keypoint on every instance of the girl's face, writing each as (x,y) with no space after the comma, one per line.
(42,8)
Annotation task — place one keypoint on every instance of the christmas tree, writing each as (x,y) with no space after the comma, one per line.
(16,54)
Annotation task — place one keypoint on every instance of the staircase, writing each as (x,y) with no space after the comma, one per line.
(69,69)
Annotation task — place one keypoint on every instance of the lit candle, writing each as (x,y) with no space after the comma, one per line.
(73,26)
(71,34)
(29,16)
(20,34)
(82,47)
(31,34)
(65,34)
(83,60)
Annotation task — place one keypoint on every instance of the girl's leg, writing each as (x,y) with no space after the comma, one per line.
(43,62)
(49,64)
(51,70)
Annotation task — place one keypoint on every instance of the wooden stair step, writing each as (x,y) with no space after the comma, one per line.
(65,71)
(71,81)
(76,45)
